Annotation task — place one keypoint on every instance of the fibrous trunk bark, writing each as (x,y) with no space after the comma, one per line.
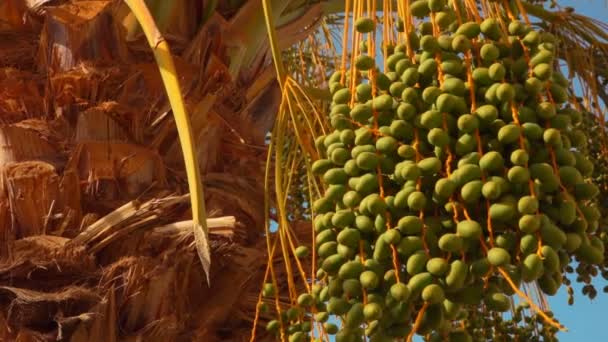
(95,239)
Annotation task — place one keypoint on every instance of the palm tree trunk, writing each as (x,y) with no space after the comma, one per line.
(90,198)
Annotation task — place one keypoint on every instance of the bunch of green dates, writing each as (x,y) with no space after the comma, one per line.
(460,160)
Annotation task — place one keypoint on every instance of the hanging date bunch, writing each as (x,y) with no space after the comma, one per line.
(456,176)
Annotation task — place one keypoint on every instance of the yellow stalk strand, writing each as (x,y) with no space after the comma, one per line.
(293,161)
(391,25)
(385,34)
(472,7)
(279,134)
(417,322)
(400,15)
(355,43)
(523,12)
(313,273)
(257,307)
(315,112)
(277,302)
(289,89)
(345,41)
(168,73)
(533,305)
(298,263)
(485,9)
(267,230)
(274,45)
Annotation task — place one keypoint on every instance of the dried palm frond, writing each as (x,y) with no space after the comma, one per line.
(115,122)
